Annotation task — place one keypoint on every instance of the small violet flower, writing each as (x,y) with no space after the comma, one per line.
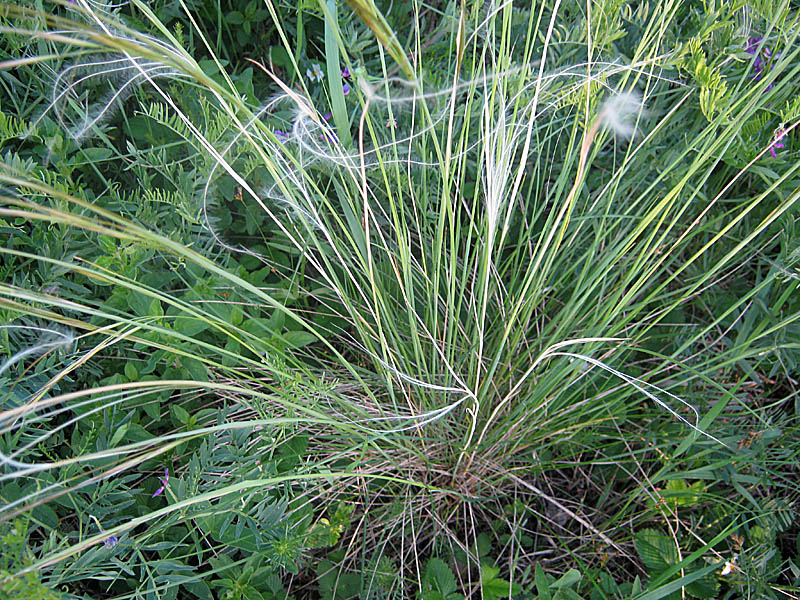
(315,72)
(283,136)
(164,483)
(346,88)
(345,72)
(330,137)
(777,143)
(752,47)
(111,540)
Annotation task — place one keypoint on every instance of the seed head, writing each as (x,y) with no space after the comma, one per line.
(620,111)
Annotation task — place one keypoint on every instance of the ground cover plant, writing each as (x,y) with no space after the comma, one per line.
(399,300)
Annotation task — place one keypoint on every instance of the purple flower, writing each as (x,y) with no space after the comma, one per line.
(330,137)
(779,135)
(282,136)
(164,483)
(758,63)
(345,72)
(346,88)
(111,540)
(754,47)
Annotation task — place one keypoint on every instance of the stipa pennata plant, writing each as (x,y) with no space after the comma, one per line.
(49,340)
(490,265)
(86,95)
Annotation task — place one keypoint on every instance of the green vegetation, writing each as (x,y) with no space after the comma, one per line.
(399,300)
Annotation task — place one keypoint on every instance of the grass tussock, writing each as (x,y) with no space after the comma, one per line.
(502,303)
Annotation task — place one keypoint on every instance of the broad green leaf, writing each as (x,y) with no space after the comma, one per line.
(190,326)
(656,550)
(199,589)
(542,587)
(118,435)
(298,339)
(181,415)
(234,18)
(130,371)
(439,577)
(704,588)
(196,370)
(96,154)
(493,587)
(45,515)
(569,578)
(484,544)
(155,309)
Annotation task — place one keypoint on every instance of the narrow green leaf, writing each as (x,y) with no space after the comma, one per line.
(339,109)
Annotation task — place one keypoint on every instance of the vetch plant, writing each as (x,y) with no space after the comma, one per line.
(111,540)
(780,133)
(762,54)
(164,483)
